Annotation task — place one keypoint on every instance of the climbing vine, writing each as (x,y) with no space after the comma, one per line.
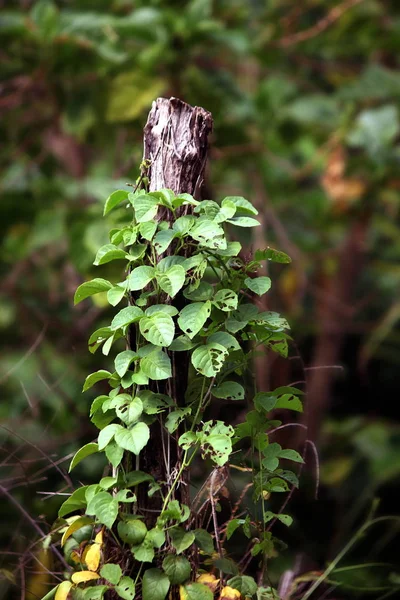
(189,321)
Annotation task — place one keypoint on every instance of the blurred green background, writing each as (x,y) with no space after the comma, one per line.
(305,97)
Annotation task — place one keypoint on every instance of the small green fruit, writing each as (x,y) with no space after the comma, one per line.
(132,532)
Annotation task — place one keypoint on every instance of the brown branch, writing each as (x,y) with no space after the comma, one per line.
(333,15)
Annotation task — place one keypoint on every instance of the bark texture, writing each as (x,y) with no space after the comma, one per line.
(176,143)
(176,146)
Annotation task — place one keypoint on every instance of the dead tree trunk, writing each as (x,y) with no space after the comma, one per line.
(175,146)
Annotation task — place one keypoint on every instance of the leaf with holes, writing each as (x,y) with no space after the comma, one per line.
(126,588)
(230,390)
(209,234)
(225,339)
(209,359)
(129,410)
(226,300)
(258,285)
(158,329)
(163,240)
(192,317)
(89,288)
(272,255)
(171,280)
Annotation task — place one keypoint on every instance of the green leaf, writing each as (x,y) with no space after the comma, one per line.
(172,280)
(209,234)
(291,455)
(94,378)
(242,205)
(134,478)
(114,199)
(129,409)
(94,593)
(82,453)
(158,329)
(204,540)
(243,221)
(225,339)
(112,573)
(230,390)
(104,507)
(181,539)
(156,365)
(107,253)
(183,224)
(245,584)
(123,361)
(134,439)
(176,417)
(132,531)
(146,208)
(232,249)
(165,308)
(203,292)
(272,255)
(258,285)
(89,288)
(226,300)
(126,588)
(285,519)
(147,230)
(107,434)
(177,568)
(76,501)
(155,585)
(114,454)
(126,316)
(115,294)
(265,401)
(209,359)
(192,317)
(232,527)
(140,277)
(181,344)
(290,402)
(163,240)
(271,453)
(197,591)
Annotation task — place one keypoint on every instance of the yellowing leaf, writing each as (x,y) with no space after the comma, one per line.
(208,579)
(63,590)
(228,593)
(92,558)
(83,576)
(99,537)
(77,524)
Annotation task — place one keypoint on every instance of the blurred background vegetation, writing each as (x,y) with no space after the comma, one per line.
(305,98)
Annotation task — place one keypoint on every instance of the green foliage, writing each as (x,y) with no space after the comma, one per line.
(214,331)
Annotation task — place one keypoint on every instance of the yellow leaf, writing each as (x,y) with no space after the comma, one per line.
(80,522)
(92,558)
(209,580)
(83,576)
(99,537)
(63,590)
(182,593)
(228,593)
